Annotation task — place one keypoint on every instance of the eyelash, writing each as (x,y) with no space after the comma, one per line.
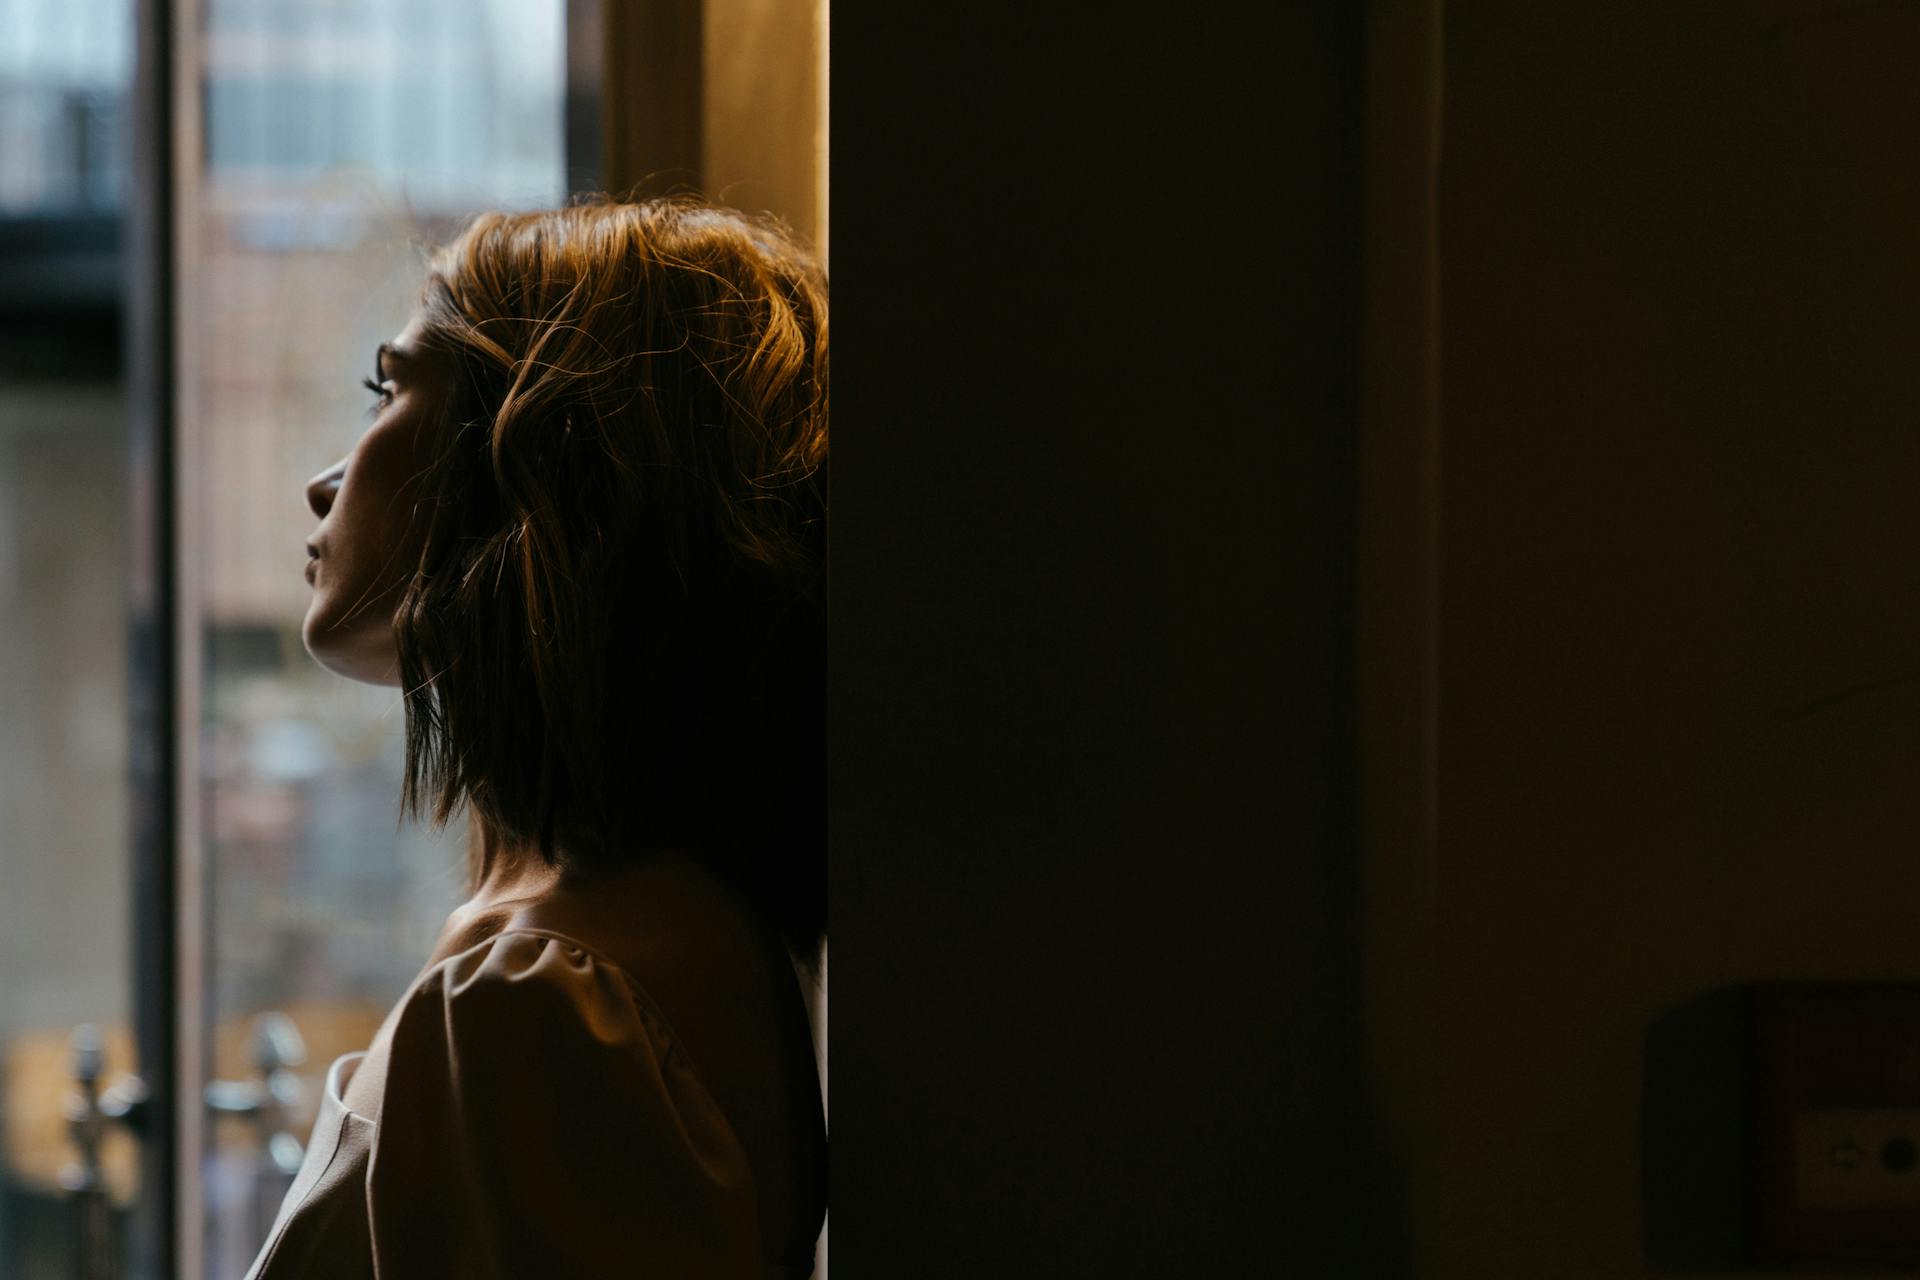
(379,391)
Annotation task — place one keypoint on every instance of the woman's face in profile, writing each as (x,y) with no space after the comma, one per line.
(361,555)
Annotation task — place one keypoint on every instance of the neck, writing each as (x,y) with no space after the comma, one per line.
(514,869)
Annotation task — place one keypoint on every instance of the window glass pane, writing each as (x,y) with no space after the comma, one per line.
(338,140)
(64,799)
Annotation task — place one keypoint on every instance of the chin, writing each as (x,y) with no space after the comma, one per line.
(353,657)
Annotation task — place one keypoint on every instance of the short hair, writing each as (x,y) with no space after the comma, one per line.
(614,638)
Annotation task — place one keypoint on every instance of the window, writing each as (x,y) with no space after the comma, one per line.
(338,141)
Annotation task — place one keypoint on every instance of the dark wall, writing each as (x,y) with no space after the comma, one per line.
(1095,893)
(1679,597)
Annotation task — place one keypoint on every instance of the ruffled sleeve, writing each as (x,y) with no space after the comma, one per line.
(537,1119)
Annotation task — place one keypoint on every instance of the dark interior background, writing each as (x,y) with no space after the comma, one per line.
(1373,567)
(1096,888)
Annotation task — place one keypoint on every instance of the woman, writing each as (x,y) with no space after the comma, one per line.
(585,536)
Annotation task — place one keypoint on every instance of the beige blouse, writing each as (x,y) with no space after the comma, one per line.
(537,1119)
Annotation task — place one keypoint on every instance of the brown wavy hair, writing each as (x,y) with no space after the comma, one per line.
(614,638)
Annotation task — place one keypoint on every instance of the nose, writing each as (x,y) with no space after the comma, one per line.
(322,488)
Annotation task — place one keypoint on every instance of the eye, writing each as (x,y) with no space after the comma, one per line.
(381,394)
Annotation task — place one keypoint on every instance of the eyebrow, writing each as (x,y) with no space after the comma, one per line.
(389,351)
